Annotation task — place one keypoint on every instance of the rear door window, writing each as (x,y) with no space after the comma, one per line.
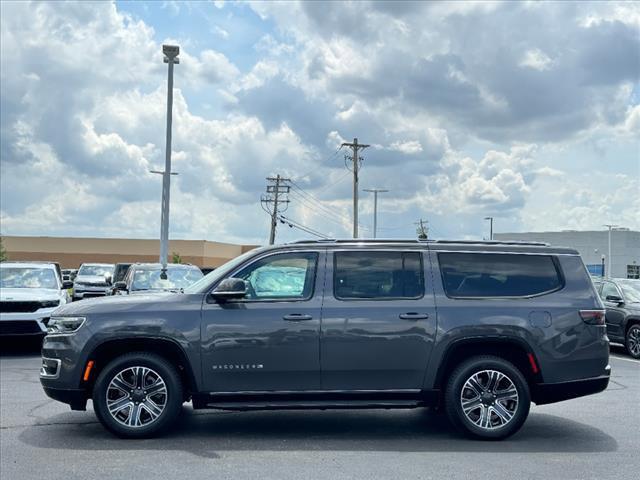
(473,275)
(378,275)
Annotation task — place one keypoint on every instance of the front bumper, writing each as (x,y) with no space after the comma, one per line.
(544,393)
(27,323)
(76,399)
(88,291)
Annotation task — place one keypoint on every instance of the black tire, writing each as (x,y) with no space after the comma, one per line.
(631,340)
(158,367)
(497,428)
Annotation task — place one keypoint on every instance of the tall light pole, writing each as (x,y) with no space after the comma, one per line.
(171,53)
(490,227)
(610,227)
(375,192)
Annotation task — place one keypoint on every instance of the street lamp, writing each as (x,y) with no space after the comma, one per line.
(375,192)
(490,227)
(171,53)
(610,227)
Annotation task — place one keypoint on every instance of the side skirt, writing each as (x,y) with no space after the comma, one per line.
(316,400)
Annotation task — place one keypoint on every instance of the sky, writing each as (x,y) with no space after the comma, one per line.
(527,112)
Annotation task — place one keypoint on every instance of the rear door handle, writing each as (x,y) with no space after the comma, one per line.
(297,317)
(413,316)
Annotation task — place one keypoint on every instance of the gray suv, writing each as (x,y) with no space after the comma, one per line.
(480,329)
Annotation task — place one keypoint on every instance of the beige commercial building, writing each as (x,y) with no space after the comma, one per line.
(70,252)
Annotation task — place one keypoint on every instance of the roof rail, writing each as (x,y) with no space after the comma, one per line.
(493,242)
(413,240)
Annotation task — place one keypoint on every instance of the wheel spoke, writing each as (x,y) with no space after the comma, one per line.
(474,385)
(503,414)
(494,379)
(485,417)
(134,416)
(119,404)
(155,388)
(152,408)
(471,404)
(139,375)
(510,394)
(119,383)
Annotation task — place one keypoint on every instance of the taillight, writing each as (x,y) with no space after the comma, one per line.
(592,317)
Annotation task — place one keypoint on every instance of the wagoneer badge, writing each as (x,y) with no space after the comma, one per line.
(252,366)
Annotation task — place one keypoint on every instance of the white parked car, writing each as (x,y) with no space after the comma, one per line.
(29,293)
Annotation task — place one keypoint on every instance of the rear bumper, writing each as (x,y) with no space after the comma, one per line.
(76,399)
(544,393)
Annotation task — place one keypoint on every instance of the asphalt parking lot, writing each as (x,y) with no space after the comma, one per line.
(593,437)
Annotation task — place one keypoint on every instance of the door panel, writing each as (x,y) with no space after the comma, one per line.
(380,343)
(266,343)
(614,314)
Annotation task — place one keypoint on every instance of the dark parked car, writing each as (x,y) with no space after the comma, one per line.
(621,299)
(119,272)
(480,328)
(143,278)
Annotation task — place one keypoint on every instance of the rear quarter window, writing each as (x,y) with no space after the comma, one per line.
(484,275)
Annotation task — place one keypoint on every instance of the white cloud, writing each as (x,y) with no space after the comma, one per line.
(536,59)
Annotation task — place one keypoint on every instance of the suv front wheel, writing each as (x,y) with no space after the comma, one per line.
(487,397)
(138,395)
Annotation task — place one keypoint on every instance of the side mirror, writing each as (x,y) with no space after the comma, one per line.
(230,288)
(120,286)
(614,299)
(67,284)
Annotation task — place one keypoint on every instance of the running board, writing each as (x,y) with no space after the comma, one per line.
(311,405)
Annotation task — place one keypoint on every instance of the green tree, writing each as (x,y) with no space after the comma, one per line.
(176,258)
(3,252)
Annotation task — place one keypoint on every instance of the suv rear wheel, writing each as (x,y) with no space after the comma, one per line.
(632,341)
(138,395)
(487,397)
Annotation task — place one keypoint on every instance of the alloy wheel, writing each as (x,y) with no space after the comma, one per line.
(633,341)
(489,399)
(136,396)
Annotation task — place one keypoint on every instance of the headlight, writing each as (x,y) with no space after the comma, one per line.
(59,325)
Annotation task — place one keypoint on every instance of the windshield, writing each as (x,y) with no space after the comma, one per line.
(631,291)
(177,278)
(26,277)
(205,282)
(96,270)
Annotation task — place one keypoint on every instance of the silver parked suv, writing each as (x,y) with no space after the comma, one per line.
(92,280)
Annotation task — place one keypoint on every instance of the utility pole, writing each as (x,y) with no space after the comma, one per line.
(171,53)
(355,146)
(375,192)
(277,189)
(610,227)
(490,227)
(423,229)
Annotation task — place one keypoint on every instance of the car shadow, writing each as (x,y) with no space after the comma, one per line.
(208,433)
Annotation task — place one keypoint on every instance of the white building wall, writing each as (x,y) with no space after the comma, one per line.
(625,245)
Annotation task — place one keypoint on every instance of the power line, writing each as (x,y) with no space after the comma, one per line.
(329,159)
(299,226)
(277,190)
(317,206)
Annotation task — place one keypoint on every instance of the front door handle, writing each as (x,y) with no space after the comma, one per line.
(413,316)
(297,317)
